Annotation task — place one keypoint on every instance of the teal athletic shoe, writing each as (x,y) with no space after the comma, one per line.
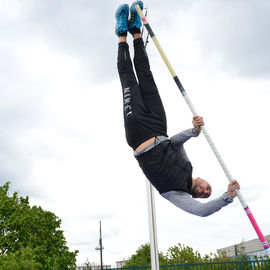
(135,19)
(121,16)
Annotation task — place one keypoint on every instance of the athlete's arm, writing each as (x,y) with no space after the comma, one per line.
(183,201)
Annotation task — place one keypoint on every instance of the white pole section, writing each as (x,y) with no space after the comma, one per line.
(152,226)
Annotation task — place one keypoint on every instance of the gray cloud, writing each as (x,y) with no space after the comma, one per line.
(231,34)
(235,33)
(83,29)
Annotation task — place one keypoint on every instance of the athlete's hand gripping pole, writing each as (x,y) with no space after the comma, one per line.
(207,136)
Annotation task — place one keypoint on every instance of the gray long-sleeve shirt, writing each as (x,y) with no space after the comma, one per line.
(182,199)
(185,202)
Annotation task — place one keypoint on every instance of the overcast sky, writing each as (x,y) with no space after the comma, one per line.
(61,125)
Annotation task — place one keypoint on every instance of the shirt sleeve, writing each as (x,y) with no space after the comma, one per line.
(183,136)
(185,202)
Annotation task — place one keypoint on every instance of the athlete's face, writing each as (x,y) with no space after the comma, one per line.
(201,188)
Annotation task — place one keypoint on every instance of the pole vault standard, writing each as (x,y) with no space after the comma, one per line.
(152,226)
(207,136)
(152,211)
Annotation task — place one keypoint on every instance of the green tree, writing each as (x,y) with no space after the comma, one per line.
(214,257)
(23,259)
(25,228)
(88,264)
(183,254)
(240,252)
(142,257)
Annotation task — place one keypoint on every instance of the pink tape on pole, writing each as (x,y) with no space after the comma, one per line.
(256,227)
(144,19)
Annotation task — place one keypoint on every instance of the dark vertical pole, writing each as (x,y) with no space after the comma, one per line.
(100,246)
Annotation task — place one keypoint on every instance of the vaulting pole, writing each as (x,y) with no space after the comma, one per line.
(207,136)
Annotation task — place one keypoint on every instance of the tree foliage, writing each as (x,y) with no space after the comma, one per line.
(178,254)
(30,235)
(142,257)
(183,254)
(23,259)
(88,264)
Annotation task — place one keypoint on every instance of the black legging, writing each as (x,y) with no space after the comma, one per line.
(144,114)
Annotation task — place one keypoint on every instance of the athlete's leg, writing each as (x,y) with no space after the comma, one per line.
(140,123)
(133,105)
(132,99)
(126,74)
(133,102)
(147,84)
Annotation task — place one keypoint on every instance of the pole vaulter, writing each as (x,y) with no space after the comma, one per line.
(207,136)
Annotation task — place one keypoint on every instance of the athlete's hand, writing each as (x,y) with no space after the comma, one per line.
(231,188)
(197,122)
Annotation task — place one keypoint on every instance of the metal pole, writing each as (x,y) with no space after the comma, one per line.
(152,226)
(100,247)
(207,136)
(151,209)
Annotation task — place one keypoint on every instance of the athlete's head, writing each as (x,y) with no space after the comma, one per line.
(200,188)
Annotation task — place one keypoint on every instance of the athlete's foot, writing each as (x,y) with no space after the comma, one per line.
(121,16)
(135,23)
